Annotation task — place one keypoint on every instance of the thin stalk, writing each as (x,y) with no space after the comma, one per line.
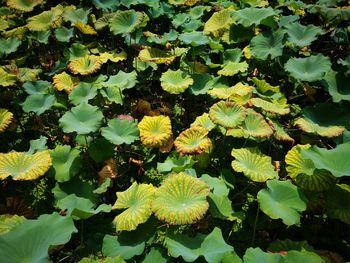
(255,223)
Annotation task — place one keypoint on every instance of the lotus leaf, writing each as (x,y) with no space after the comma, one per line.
(82,119)
(82,93)
(302,36)
(121,81)
(74,15)
(307,256)
(125,22)
(44,21)
(155,255)
(106,4)
(282,200)
(194,38)
(6,118)
(280,134)
(267,44)
(310,69)
(264,87)
(18,32)
(85,65)
(175,82)
(46,231)
(66,162)
(156,55)
(204,121)
(113,56)
(7,79)
(193,141)
(337,85)
(137,201)
(64,81)
(175,163)
(252,15)
(232,68)
(7,222)
(38,103)
(120,131)
(227,114)
(64,34)
(335,160)
(218,22)
(81,208)
(9,45)
(252,254)
(23,5)
(254,165)
(254,125)
(338,203)
(212,246)
(309,126)
(304,172)
(287,244)
(155,131)
(181,199)
(272,107)
(85,28)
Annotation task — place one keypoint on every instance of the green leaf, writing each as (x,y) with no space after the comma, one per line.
(268,43)
(255,165)
(154,256)
(38,103)
(125,22)
(338,205)
(252,15)
(287,244)
(232,68)
(335,160)
(37,145)
(122,80)
(120,131)
(181,199)
(175,82)
(30,241)
(308,69)
(8,45)
(337,85)
(303,256)
(83,92)
(302,36)
(76,15)
(252,254)
(64,34)
(82,119)
(7,79)
(175,163)
(81,208)
(194,38)
(7,222)
(137,201)
(282,200)
(101,150)
(227,114)
(66,162)
(218,22)
(212,246)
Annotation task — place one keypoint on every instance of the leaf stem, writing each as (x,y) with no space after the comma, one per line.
(255,223)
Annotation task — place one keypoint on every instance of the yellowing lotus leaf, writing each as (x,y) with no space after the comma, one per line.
(85,28)
(23,166)
(239,93)
(280,134)
(218,23)
(255,125)
(155,131)
(304,172)
(23,5)
(156,55)
(272,107)
(18,32)
(137,200)
(44,21)
(183,2)
(64,81)
(175,82)
(232,68)
(6,118)
(7,79)
(204,121)
(309,126)
(227,114)
(192,141)
(85,65)
(253,164)
(264,87)
(8,221)
(113,56)
(181,199)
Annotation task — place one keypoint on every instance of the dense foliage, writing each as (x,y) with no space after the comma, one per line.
(171,131)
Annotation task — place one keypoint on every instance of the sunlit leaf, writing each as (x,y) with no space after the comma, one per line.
(156,55)
(218,22)
(125,22)
(227,114)
(252,15)
(155,131)
(64,81)
(43,21)
(272,107)
(301,35)
(192,141)
(232,68)
(23,5)
(267,44)
(7,79)
(175,82)
(120,131)
(85,65)
(254,125)
(204,121)
(6,118)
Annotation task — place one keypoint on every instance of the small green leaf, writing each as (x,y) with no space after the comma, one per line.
(267,44)
(8,45)
(120,131)
(64,34)
(83,92)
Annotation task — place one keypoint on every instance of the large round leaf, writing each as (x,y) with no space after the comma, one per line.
(212,246)
(282,200)
(6,118)
(252,15)
(82,119)
(137,200)
(254,125)
(175,82)
(23,5)
(31,240)
(64,81)
(218,22)
(125,22)
(22,166)
(272,107)
(254,165)
(267,44)
(302,36)
(337,84)
(227,114)
(204,121)
(85,65)
(304,172)
(8,45)
(156,55)
(181,199)
(120,131)
(308,69)
(232,68)
(83,92)
(192,141)
(155,131)
(42,21)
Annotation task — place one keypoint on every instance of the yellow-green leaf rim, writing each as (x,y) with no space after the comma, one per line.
(155,131)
